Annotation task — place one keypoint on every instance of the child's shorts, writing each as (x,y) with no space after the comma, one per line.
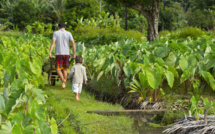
(77,88)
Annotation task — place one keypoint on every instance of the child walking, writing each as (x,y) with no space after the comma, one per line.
(78,75)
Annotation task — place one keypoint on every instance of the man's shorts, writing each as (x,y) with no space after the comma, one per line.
(77,88)
(62,62)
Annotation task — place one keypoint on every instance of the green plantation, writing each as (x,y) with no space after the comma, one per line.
(185,65)
(137,54)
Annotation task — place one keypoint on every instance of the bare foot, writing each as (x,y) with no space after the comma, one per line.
(77,99)
(64,84)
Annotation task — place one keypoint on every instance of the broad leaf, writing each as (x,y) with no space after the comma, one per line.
(2,103)
(53,126)
(100,74)
(154,78)
(170,78)
(183,63)
(6,128)
(143,80)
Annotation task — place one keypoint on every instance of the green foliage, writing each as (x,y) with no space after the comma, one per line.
(23,104)
(77,9)
(96,36)
(191,32)
(24,14)
(39,28)
(156,62)
(202,19)
(10,33)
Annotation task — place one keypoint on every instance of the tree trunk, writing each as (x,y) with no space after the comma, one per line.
(152,17)
(150,10)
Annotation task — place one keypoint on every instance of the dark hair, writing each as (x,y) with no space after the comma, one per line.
(79,59)
(61,25)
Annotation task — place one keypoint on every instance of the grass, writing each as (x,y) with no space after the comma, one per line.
(10,33)
(63,102)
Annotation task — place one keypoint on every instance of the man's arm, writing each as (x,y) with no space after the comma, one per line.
(51,48)
(74,48)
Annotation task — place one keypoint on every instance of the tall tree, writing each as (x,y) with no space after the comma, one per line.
(149,8)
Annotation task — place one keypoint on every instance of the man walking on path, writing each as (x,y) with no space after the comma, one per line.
(62,39)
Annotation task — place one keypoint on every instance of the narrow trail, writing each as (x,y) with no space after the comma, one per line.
(62,104)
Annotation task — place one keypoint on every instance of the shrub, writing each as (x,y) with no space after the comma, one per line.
(24,14)
(192,32)
(163,33)
(101,36)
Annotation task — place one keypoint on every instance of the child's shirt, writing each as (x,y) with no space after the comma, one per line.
(78,74)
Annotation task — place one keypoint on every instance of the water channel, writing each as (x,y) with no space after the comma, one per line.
(141,124)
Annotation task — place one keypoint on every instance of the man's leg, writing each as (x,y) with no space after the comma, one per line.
(59,72)
(65,75)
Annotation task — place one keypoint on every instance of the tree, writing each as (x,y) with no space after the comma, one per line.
(77,9)
(24,14)
(149,8)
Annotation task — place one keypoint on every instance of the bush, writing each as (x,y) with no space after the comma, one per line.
(24,14)
(163,33)
(192,32)
(10,33)
(97,36)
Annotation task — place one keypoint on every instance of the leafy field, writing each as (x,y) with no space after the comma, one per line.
(22,102)
(132,66)
(144,67)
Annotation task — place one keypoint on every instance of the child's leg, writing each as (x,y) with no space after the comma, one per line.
(75,91)
(79,90)
(76,96)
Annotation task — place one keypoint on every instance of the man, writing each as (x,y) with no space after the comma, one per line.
(62,39)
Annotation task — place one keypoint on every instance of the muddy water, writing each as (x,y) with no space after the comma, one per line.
(142,126)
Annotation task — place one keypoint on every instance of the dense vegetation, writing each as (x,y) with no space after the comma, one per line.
(23,106)
(179,62)
(173,14)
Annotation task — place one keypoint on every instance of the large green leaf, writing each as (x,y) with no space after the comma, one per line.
(6,128)
(170,78)
(143,80)
(211,62)
(209,79)
(2,103)
(146,60)
(29,129)
(18,128)
(183,63)
(35,67)
(13,100)
(53,126)
(186,74)
(192,61)
(45,128)
(127,70)
(134,67)
(6,94)
(26,120)
(173,70)
(161,51)
(154,78)
(100,75)
(6,79)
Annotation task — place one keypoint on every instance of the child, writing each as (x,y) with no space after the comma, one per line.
(78,75)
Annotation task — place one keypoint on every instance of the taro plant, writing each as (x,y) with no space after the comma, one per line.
(22,102)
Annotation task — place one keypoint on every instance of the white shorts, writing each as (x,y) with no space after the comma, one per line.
(77,88)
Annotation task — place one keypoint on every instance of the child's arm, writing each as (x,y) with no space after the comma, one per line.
(85,77)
